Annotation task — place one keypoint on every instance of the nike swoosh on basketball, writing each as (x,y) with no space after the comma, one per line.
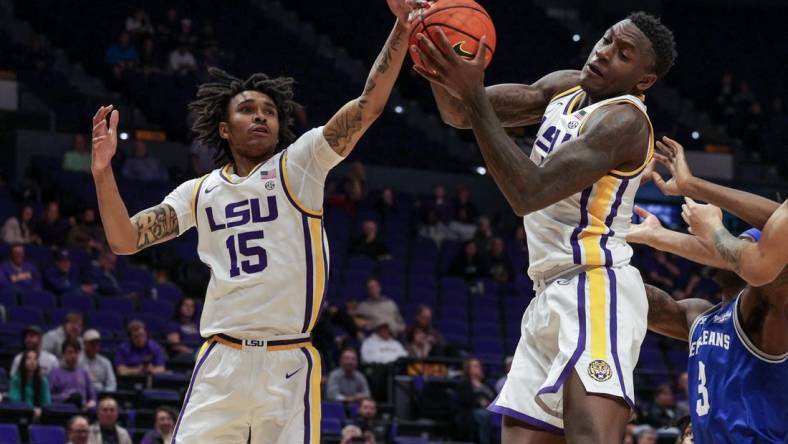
(290,375)
(208,190)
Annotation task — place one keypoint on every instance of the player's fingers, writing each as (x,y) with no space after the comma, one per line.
(427,74)
(642,212)
(481,53)
(442,43)
(96,116)
(689,201)
(429,55)
(675,146)
(427,66)
(664,160)
(97,140)
(113,120)
(664,149)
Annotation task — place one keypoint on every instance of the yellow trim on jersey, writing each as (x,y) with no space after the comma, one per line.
(203,348)
(319,257)
(225,173)
(223,341)
(194,196)
(597,296)
(293,196)
(575,102)
(564,93)
(650,153)
(314,395)
(598,207)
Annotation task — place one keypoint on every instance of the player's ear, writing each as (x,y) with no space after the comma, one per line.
(646,81)
(224,133)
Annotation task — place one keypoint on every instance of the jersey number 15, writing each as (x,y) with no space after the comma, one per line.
(247,251)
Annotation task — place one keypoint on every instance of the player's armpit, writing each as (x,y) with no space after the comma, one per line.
(672,318)
(155,225)
(761,263)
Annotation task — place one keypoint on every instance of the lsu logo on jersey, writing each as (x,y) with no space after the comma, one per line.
(242,212)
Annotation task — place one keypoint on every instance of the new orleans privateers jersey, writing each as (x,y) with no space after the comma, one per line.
(589,227)
(265,245)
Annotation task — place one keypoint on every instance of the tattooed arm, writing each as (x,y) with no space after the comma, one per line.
(347,126)
(514,104)
(670,317)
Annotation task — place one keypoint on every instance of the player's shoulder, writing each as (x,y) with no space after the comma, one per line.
(559,83)
(308,138)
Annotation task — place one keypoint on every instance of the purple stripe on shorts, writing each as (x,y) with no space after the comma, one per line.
(581,338)
(525,418)
(191,385)
(583,223)
(609,221)
(307,409)
(611,277)
(309,290)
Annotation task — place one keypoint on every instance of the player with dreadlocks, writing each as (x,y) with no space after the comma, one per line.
(260,229)
(573,368)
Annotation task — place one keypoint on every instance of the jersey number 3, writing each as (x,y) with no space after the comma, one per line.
(702,404)
(248,251)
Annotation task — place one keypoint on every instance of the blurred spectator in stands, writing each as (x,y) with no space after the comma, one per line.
(743,99)
(138,25)
(662,411)
(352,434)
(201,158)
(386,206)
(461,226)
(102,274)
(368,423)
(368,244)
(168,29)
(724,108)
(473,397)
(29,385)
(423,320)
(151,59)
(121,56)
(417,344)
(86,233)
(32,342)
(78,430)
(685,427)
(63,277)
(71,329)
(77,159)
(186,36)
(38,58)
(183,332)
(162,428)
(139,355)
(52,229)
(208,36)
(355,182)
(629,434)
(439,203)
(102,375)
(661,270)
(378,308)
(70,383)
(107,430)
(435,229)
(18,272)
(682,402)
(182,62)
(462,201)
(143,167)
(484,235)
(507,366)
(346,317)
(499,264)
(646,435)
(381,347)
(468,263)
(19,229)
(346,383)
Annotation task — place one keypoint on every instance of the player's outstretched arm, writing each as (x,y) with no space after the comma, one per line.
(125,235)
(347,126)
(515,104)
(751,208)
(651,232)
(670,317)
(757,263)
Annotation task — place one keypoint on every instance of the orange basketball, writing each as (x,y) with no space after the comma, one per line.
(463,21)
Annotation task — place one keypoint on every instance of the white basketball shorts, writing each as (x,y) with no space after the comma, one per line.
(592,322)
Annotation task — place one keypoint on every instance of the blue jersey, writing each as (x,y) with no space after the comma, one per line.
(737,394)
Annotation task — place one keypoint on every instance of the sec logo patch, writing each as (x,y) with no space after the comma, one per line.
(270,185)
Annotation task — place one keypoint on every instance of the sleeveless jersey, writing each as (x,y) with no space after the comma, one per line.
(589,227)
(737,393)
(267,253)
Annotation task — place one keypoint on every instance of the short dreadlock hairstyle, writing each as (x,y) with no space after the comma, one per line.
(661,40)
(213,99)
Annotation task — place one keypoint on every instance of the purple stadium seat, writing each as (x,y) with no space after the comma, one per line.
(8,297)
(160,308)
(453,285)
(332,409)
(56,316)
(168,292)
(484,345)
(136,287)
(155,397)
(331,426)
(651,359)
(40,254)
(486,330)
(47,434)
(118,304)
(77,301)
(422,280)
(410,440)
(423,295)
(107,320)
(137,274)
(79,257)
(57,413)
(451,311)
(39,298)
(361,263)
(9,434)
(25,314)
(452,326)
(153,324)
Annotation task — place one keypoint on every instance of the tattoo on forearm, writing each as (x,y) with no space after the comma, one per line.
(728,248)
(155,224)
(658,305)
(346,125)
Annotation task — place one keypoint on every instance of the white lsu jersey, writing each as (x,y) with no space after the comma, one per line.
(589,227)
(267,251)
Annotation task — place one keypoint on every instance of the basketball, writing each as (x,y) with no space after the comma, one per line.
(463,21)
